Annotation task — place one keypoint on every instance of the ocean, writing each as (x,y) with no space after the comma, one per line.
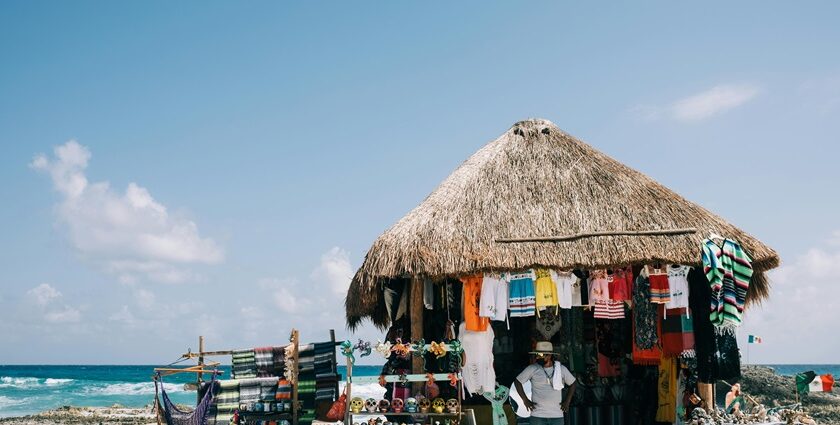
(30,389)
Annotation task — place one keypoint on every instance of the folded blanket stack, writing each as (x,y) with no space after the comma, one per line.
(226,401)
(268,389)
(306,378)
(325,371)
(278,360)
(249,391)
(264,361)
(244,364)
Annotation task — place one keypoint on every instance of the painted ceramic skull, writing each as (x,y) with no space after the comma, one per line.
(452,405)
(397,405)
(411,405)
(384,405)
(356,404)
(424,404)
(370,405)
(438,405)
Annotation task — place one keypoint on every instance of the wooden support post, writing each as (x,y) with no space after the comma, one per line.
(199,375)
(415,306)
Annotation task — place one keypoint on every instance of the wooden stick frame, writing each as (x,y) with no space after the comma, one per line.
(661,232)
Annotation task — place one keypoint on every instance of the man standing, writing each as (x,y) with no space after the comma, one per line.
(548,378)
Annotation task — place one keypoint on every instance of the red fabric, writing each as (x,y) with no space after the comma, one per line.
(676,335)
(828,382)
(336,412)
(621,284)
(607,368)
(651,356)
(660,292)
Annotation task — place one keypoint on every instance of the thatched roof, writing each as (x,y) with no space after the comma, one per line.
(535,181)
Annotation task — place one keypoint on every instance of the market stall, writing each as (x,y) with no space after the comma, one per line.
(540,237)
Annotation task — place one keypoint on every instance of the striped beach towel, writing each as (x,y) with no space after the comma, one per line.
(264,361)
(243,364)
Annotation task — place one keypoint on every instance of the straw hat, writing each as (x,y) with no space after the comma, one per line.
(544,347)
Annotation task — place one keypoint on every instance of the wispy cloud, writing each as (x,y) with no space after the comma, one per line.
(47,301)
(701,106)
(128,234)
(335,269)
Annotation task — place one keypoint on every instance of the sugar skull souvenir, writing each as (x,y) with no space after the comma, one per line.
(370,405)
(397,405)
(452,405)
(438,405)
(411,405)
(424,404)
(356,404)
(384,405)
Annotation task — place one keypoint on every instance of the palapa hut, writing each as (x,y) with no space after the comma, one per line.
(539,197)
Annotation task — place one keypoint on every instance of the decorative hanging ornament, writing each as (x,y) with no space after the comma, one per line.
(383,348)
(438,349)
(363,347)
(402,350)
(549,323)
(347,350)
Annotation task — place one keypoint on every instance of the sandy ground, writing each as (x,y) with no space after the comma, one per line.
(87,415)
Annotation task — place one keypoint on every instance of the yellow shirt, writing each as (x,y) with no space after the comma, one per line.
(546,290)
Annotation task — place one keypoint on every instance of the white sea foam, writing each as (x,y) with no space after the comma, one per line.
(365,390)
(18,381)
(132,388)
(52,382)
(8,401)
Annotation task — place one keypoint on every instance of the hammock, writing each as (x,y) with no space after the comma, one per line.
(176,416)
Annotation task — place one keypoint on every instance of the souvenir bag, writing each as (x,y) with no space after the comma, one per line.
(336,412)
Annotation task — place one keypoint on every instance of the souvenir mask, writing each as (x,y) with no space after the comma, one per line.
(452,405)
(411,405)
(424,404)
(397,405)
(438,405)
(384,405)
(370,405)
(356,404)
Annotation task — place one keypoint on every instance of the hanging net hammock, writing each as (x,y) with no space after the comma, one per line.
(176,416)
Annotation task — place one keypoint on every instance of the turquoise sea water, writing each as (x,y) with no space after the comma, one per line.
(30,389)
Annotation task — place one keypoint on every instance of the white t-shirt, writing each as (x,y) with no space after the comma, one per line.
(477,373)
(494,298)
(678,286)
(564,281)
(548,400)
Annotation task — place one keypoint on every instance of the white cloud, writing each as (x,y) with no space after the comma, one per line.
(804,290)
(46,298)
(129,234)
(335,269)
(44,294)
(701,106)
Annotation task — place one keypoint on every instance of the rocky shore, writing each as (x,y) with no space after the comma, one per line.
(759,382)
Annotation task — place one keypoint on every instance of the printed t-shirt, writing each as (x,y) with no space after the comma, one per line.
(678,286)
(472,301)
(545,289)
(548,400)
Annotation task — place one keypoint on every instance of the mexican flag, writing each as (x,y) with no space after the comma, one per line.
(810,382)
(754,339)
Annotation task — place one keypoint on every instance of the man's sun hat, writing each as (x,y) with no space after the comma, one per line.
(544,347)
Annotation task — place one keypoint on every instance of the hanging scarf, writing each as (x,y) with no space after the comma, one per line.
(667,411)
(497,401)
(677,333)
(644,315)
(609,348)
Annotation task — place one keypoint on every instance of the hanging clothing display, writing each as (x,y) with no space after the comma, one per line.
(497,401)
(494,298)
(428,294)
(621,284)
(478,373)
(522,298)
(609,310)
(660,292)
(564,282)
(704,336)
(729,270)
(667,411)
(472,301)
(545,290)
(677,333)
(645,316)
(678,286)
(599,288)
(548,323)
(608,337)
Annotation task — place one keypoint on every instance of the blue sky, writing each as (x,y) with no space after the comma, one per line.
(234,161)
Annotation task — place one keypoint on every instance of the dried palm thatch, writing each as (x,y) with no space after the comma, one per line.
(536,181)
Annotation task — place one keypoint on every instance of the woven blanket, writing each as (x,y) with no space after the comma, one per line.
(249,390)
(284,390)
(677,333)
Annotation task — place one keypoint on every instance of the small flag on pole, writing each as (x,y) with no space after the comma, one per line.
(754,339)
(810,382)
